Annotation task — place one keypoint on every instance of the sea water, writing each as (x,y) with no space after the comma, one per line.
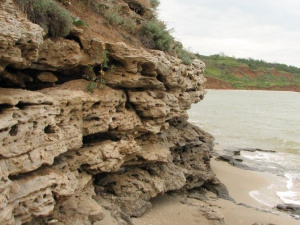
(269,120)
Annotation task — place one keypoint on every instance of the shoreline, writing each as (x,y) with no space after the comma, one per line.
(240,183)
(251,89)
(179,209)
(245,89)
(214,83)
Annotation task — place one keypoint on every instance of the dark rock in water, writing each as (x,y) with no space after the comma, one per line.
(292,208)
(225,158)
(295,209)
(237,152)
(255,150)
(240,165)
(233,161)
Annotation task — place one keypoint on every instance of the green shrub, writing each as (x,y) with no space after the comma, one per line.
(55,20)
(129,25)
(97,7)
(114,17)
(185,56)
(156,34)
(79,22)
(154,3)
(99,80)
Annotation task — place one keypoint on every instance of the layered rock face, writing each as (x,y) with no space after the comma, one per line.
(126,141)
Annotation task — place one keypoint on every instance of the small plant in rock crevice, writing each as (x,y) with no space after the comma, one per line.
(98,81)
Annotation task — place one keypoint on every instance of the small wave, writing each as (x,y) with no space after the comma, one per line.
(284,145)
(291,180)
(266,200)
(289,197)
(264,157)
(257,156)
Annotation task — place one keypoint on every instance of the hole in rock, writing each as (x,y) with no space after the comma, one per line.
(23,105)
(13,130)
(148,69)
(97,69)
(49,129)
(76,39)
(93,138)
(160,78)
(96,105)
(4,107)
(34,124)
(137,8)
(91,119)
(191,90)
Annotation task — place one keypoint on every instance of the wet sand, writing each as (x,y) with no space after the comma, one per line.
(239,183)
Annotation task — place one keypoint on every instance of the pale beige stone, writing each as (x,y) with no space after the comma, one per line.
(58,54)
(19,38)
(133,60)
(130,134)
(47,77)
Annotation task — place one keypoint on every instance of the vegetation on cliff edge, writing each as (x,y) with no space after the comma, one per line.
(143,23)
(152,32)
(55,20)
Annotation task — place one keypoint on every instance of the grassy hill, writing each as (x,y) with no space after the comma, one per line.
(236,73)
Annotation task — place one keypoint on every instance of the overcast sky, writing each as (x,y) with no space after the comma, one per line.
(260,29)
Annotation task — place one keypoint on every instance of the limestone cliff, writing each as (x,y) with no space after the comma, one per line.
(65,149)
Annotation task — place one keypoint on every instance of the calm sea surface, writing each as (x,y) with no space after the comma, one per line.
(258,119)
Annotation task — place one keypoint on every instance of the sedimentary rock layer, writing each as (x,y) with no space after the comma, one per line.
(128,137)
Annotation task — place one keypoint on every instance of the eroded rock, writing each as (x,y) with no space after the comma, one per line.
(187,167)
(128,136)
(35,195)
(20,39)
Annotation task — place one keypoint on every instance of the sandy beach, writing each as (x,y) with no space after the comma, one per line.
(239,183)
(177,210)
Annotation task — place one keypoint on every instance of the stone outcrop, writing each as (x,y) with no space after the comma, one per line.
(19,38)
(126,141)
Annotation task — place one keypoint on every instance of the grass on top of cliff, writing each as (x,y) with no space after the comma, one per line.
(249,73)
(55,20)
(128,21)
(142,22)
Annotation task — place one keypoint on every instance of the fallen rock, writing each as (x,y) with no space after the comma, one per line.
(47,77)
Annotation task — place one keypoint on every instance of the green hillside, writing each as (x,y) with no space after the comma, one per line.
(251,74)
